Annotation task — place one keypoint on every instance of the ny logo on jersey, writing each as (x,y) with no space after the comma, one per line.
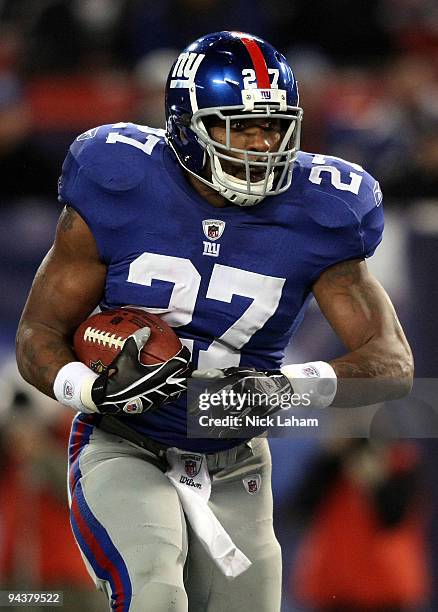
(185,69)
(211,248)
(213,230)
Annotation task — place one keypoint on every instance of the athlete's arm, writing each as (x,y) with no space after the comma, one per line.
(363,317)
(66,288)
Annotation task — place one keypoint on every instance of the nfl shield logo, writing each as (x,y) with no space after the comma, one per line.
(213,228)
(192,464)
(98,366)
(133,407)
(213,231)
(252,483)
(311,372)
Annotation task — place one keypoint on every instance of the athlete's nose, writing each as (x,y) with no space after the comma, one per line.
(258,140)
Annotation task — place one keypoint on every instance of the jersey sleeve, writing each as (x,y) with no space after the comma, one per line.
(102,169)
(344,207)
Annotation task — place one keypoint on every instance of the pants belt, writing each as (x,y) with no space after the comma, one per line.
(215,461)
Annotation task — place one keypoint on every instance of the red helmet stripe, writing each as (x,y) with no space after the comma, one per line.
(259,63)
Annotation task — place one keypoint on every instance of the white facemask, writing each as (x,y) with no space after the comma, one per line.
(227,184)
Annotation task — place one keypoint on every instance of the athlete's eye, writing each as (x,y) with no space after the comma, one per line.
(272,124)
(238,126)
(268,125)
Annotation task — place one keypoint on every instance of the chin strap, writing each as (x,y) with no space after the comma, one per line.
(227,185)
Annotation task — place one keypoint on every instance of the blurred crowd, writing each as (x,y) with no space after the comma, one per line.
(368,80)
(37,548)
(368,77)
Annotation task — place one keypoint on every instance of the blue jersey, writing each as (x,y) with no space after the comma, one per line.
(233,282)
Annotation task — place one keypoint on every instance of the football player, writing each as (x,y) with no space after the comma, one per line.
(220,224)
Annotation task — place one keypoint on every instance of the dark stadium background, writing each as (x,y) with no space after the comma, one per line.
(368,77)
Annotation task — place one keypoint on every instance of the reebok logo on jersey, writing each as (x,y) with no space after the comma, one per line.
(377,193)
(88,134)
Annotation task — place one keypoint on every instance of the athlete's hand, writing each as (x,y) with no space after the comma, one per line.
(240,392)
(128,386)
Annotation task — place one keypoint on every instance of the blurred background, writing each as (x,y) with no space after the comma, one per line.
(356,518)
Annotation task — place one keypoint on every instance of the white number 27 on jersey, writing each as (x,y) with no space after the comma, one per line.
(225,282)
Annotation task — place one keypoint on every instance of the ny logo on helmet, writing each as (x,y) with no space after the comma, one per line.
(185,69)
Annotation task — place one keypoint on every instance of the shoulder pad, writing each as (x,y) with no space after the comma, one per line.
(340,195)
(116,156)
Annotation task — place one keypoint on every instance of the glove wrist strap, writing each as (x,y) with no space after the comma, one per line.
(72,386)
(316,380)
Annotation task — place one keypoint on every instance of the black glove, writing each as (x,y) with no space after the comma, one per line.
(256,394)
(128,386)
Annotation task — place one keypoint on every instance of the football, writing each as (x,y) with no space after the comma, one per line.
(99,339)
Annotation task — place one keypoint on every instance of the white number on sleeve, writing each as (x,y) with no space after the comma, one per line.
(154,137)
(335,175)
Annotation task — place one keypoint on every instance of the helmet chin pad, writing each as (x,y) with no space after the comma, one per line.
(233,189)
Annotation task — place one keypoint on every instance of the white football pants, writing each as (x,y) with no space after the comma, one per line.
(136,544)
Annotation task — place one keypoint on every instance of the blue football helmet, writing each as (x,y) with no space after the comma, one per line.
(232,76)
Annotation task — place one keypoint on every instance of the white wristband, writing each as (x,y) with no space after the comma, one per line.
(72,386)
(315,380)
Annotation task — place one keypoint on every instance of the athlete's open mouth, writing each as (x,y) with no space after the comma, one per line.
(255,174)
